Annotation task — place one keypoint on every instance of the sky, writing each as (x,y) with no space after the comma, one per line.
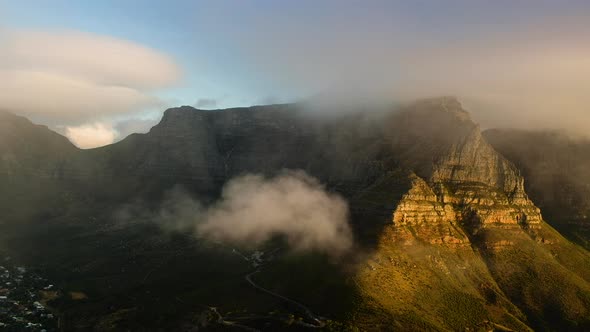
(97,71)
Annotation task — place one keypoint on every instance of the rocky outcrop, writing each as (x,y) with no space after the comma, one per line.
(466,182)
(421,205)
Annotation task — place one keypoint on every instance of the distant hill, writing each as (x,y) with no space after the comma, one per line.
(32,160)
(29,148)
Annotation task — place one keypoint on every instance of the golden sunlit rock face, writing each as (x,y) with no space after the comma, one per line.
(468,182)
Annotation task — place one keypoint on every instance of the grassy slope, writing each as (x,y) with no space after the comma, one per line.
(544,275)
(540,281)
(423,286)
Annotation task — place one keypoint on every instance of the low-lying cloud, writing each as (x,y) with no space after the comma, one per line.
(206,103)
(91,135)
(512,65)
(98,134)
(253,209)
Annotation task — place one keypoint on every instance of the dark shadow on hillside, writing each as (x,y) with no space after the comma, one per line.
(372,209)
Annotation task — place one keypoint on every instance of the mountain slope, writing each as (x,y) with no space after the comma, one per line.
(557,170)
(26,148)
(33,160)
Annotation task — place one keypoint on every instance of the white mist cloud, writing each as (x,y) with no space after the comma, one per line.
(127,127)
(253,209)
(99,134)
(91,135)
(70,78)
(294,205)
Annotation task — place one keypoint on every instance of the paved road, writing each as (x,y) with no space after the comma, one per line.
(310,315)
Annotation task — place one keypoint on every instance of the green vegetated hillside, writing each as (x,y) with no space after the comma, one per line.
(446,236)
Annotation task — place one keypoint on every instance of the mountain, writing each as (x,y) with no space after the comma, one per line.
(29,147)
(466,244)
(446,236)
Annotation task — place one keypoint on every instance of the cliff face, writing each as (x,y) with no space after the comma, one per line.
(201,150)
(425,216)
(466,183)
(457,174)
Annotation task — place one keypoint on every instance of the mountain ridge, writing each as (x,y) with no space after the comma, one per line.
(449,235)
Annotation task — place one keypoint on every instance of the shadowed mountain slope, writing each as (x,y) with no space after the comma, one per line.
(557,172)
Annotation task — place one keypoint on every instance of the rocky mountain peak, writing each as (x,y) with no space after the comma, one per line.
(446,104)
(459,171)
